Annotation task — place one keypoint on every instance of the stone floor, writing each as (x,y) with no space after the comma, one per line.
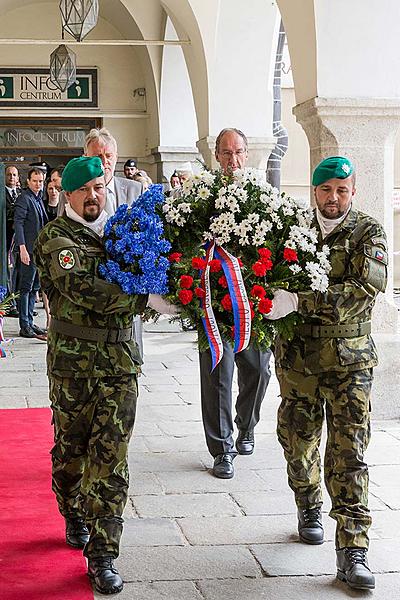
(190,536)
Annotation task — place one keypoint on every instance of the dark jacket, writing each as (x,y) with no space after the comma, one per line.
(29,218)
(10,208)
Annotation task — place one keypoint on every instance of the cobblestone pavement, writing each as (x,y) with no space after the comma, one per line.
(190,536)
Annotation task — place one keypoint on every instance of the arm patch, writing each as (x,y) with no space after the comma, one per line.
(374,266)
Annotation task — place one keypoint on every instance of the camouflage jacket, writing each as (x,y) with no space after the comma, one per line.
(358,255)
(67,255)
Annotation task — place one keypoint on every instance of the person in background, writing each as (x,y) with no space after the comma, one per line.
(327,369)
(29,218)
(174,182)
(56,175)
(142,178)
(52,195)
(130,168)
(12,192)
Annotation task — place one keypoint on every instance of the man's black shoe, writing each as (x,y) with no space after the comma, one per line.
(223,466)
(310,525)
(104,575)
(27,332)
(245,442)
(353,569)
(76,532)
(39,330)
(12,312)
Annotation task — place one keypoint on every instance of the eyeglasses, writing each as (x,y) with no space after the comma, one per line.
(229,154)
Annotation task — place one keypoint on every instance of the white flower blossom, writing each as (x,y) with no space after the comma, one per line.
(295,268)
(203,192)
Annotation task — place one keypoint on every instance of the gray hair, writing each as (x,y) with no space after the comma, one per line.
(102,135)
(229,130)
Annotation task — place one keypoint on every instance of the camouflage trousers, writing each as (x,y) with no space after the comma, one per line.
(345,398)
(93,421)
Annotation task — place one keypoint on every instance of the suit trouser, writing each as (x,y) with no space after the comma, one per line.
(28,286)
(216,394)
(93,421)
(345,396)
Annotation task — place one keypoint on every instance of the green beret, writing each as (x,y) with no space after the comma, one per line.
(334,167)
(79,171)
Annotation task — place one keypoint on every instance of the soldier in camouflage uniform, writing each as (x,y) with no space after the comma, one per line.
(328,366)
(92,364)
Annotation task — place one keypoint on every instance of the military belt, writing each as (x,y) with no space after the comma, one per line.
(335,331)
(91,334)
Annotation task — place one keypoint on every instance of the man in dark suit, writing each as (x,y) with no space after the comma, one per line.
(253,365)
(29,218)
(12,192)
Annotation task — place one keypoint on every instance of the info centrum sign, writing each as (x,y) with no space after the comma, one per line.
(32,87)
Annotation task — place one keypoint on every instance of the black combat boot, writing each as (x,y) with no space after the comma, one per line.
(310,525)
(245,442)
(104,575)
(76,532)
(353,569)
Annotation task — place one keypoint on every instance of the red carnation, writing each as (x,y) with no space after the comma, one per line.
(185,281)
(265,305)
(264,253)
(290,255)
(259,269)
(198,263)
(185,296)
(240,262)
(258,291)
(226,302)
(215,265)
(223,282)
(268,263)
(200,293)
(175,257)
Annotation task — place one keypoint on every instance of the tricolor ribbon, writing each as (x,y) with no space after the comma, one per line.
(240,304)
(2,338)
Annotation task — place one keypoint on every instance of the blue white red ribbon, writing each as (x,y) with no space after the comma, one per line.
(2,339)
(209,321)
(240,304)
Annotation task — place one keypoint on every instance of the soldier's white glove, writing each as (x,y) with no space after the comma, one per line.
(283,303)
(162,306)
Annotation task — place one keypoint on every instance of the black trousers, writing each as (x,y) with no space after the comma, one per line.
(216,394)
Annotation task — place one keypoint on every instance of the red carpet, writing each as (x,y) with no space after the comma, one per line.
(35,562)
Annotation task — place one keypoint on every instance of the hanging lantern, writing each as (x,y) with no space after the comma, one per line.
(63,67)
(79,17)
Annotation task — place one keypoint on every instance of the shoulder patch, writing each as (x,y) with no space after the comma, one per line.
(66,259)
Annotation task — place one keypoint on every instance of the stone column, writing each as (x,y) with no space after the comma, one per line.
(259,151)
(165,159)
(365,131)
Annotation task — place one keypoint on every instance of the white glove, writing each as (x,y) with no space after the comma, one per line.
(283,303)
(162,306)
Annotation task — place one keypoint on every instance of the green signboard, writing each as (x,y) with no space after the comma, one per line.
(32,87)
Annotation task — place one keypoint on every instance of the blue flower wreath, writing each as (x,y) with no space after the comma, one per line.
(134,242)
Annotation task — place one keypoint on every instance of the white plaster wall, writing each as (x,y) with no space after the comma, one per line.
(241,69)
(178,125)
(296,163)
(358,48)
